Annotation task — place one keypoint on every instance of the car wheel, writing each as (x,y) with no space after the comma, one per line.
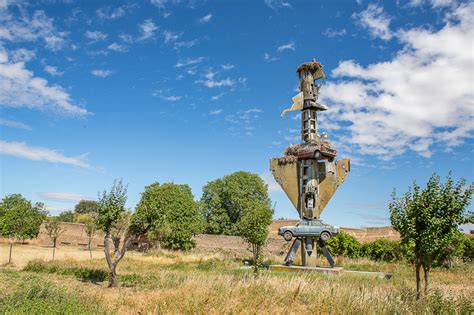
(331,159)
(317,155)
(325,236)
(287,236)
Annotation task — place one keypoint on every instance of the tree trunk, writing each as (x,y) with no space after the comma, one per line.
(418,280)
(426,271)
(54,248)
(10,255)
(113,282)
(89,247)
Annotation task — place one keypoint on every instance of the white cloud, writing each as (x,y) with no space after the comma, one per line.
(277,4)
(161,5)
(289,46)
(189,62)
(227,66)
(269,58)
(63,196)
(53,71)
(331,32)
(419,99)
(171,98)
(22,28)
(205,19)
(434,3)
(217,97)
(21,150)
(171,36)
(13,124)
(242,122)
(101,73)
(109,13)
(22,54)
(147,29)
(215,112)
(20,88)
(210,82)
(95,35)
(117,47)
(375,20)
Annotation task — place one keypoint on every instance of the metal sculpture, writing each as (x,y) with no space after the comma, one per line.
(308,172)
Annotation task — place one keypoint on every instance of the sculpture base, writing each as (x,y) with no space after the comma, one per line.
(327,271)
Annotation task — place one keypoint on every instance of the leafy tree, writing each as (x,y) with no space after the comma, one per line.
(66,216)
(253,228)
(53,229)
(90,227)
(168,213)
(225,200)
(427,220)
(86,206)
(111,213)
(19,219)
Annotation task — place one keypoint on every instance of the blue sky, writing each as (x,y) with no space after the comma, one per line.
(189,91)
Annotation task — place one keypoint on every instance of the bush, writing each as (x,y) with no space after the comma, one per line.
(382,250)
(344,244)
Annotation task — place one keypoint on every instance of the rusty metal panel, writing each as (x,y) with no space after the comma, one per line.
(285,172)
(331,176)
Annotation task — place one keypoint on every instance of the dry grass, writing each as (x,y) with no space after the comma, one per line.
(199,283)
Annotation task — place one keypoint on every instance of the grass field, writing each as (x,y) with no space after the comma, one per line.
(202,283)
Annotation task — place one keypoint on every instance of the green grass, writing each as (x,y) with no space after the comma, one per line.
(30,294)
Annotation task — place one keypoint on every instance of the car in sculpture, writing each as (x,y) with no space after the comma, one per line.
(313,228)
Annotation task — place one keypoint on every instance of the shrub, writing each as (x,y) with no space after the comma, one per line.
(344,244)
(382,250)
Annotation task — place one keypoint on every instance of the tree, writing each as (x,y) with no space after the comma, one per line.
(53,229)
(168,213)
(86,206)
(111,211)
(90,228)
(253,228)
(427,220)
(225,200)
(19,219)
(66,216)
(344,244)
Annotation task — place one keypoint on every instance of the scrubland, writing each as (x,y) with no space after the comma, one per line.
(212,283)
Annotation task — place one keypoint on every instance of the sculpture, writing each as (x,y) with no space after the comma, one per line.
(308,172)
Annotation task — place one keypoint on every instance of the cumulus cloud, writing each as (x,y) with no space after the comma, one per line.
(375,20)
(420,98)
(147,30)
(53,71)
(63,196)
(117,47)
(101,73)
(95,35)
(211,82)
(20,88)
(24,28)
(22,150)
